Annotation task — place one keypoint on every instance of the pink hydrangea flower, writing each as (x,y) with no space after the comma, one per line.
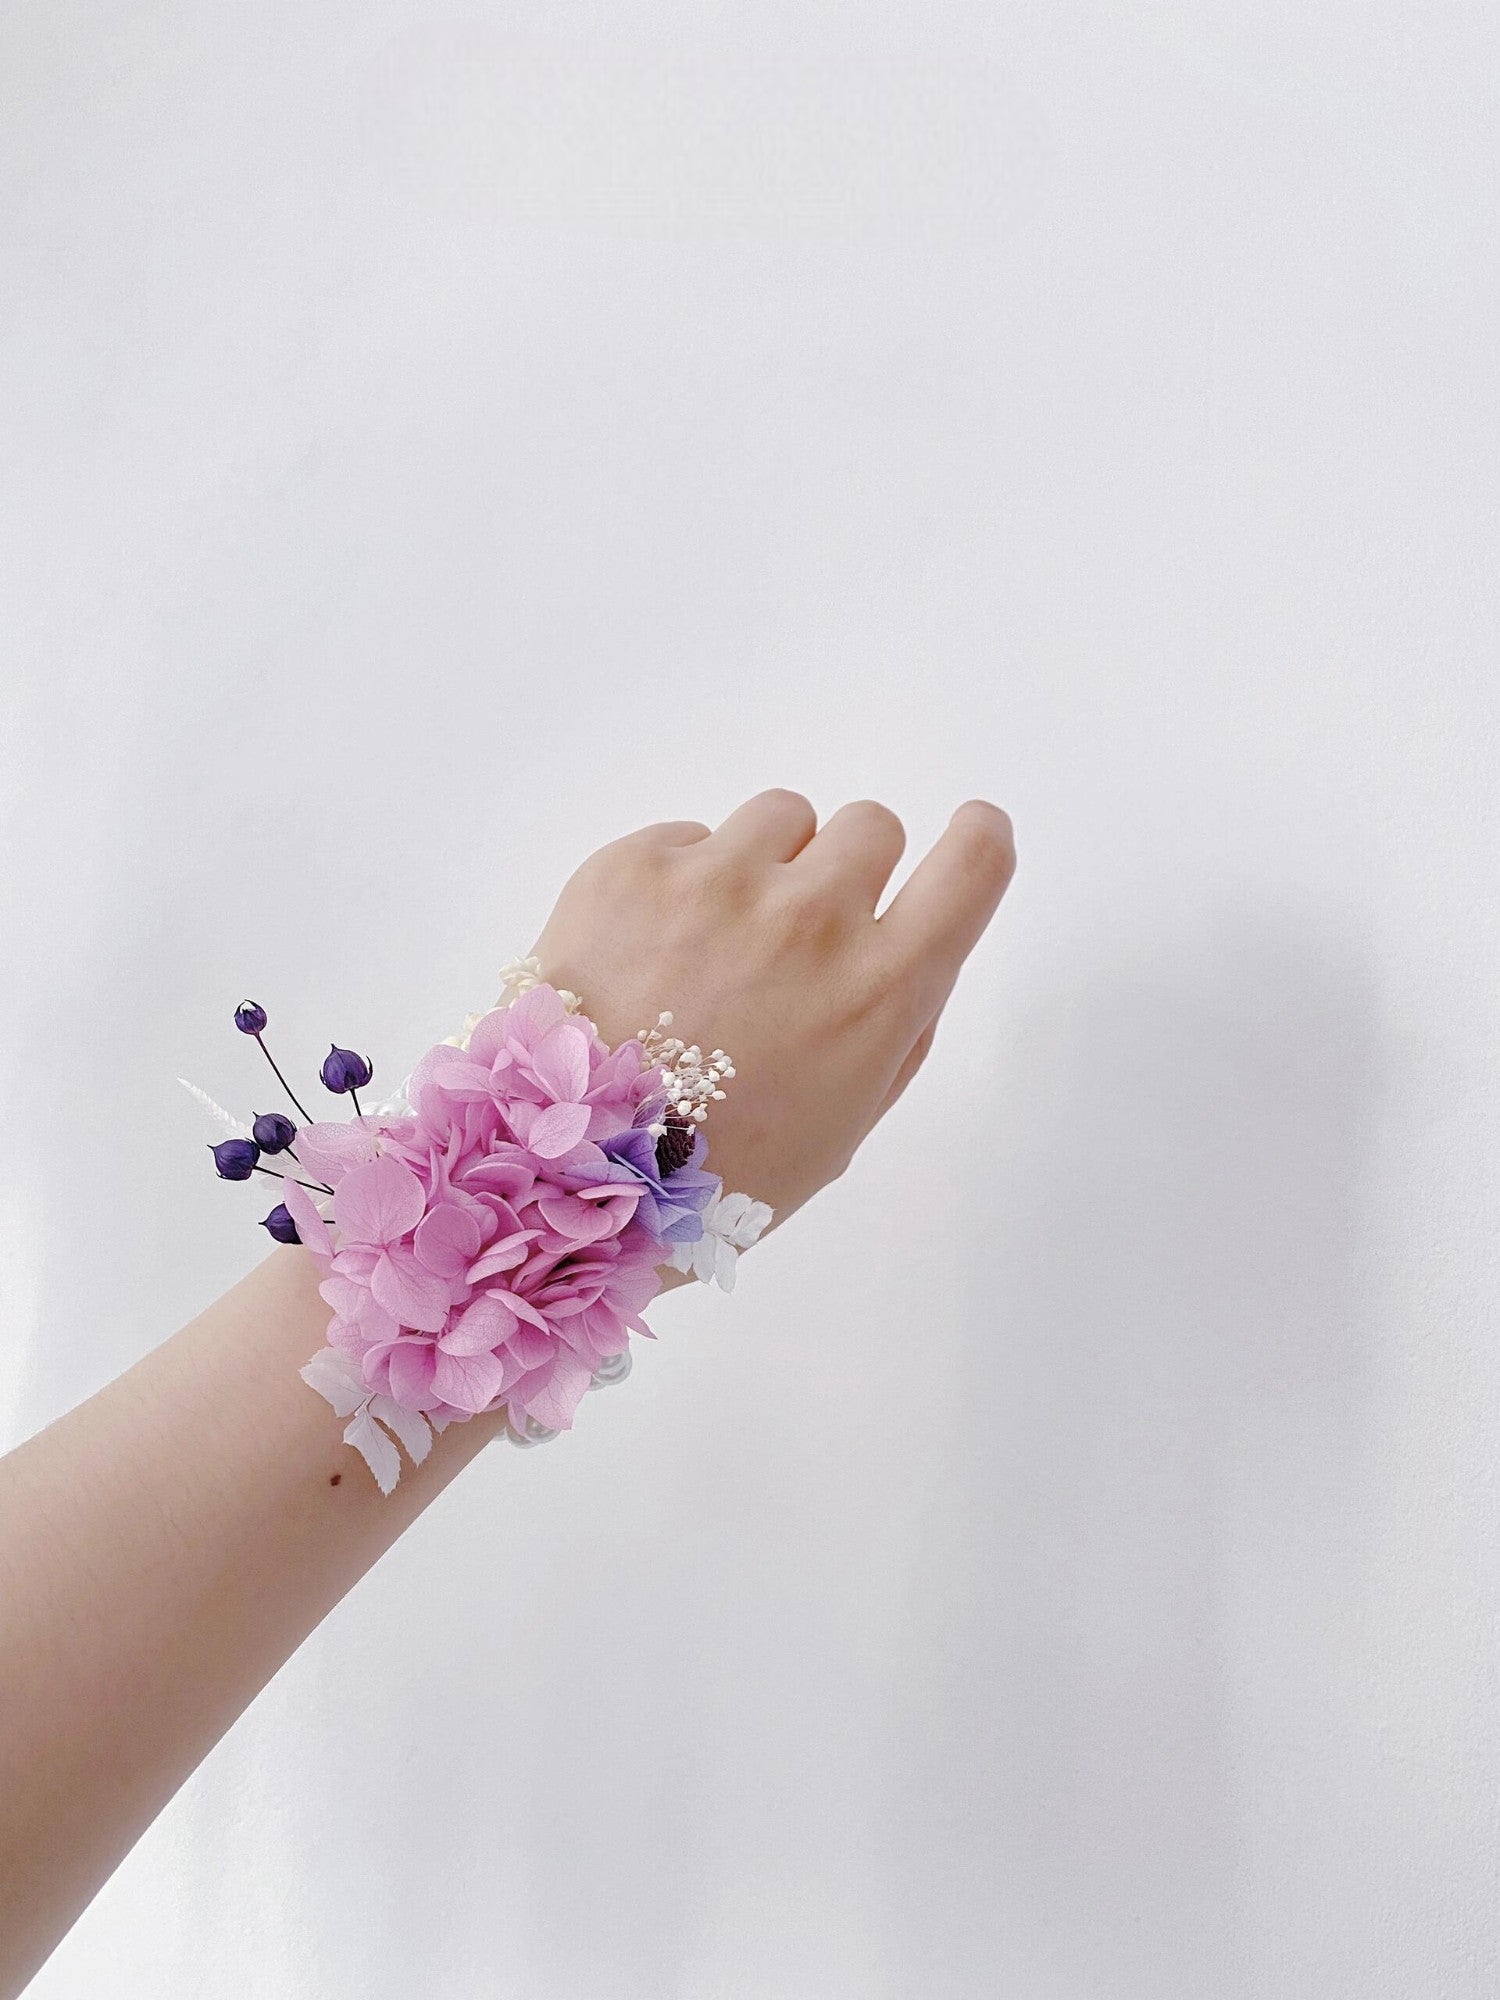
(482,1257)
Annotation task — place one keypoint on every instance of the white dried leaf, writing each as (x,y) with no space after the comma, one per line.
(337,1379)
(235,1127)
(375,1448)
(409,1425)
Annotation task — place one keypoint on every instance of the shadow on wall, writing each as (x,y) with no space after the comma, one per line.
(1143,1574)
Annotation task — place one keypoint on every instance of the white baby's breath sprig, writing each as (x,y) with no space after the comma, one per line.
(692,1080)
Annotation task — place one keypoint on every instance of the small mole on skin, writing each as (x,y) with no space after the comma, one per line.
(334,1478)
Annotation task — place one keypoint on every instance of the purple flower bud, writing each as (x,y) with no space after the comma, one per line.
(281,1225)
(235,1158)
(343,1070)
(249,1018)
(274,1132)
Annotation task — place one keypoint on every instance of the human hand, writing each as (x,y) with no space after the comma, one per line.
(761,939)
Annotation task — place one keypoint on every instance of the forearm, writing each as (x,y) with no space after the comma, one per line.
(168,1544)
(164,1548)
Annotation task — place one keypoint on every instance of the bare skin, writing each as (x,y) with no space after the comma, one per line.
(168,1544)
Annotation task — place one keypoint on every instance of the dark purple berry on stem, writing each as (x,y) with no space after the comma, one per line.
(274,1131)
(343,1070)
(250,1019)
(235,1158)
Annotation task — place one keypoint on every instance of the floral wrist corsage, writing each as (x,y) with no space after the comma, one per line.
(490,1236)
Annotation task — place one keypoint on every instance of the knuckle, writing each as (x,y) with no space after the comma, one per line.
(630,857)
(601,865)
(878,819)
(813,921)
(671,833)
(789,802)
(601,883)
(729,888)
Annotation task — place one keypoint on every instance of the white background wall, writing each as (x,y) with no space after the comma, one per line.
(437,438)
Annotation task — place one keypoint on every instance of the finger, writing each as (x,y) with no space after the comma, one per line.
(670,833)
(857,849)
(774,825)
(939,914)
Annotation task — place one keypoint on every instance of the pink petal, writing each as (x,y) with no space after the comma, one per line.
(501,1256)
(329,1149)
(635,1282)
(522,1308)
(553,1402)
(447,1238)
(413,1295)
(529,1018)
(410,1368)
(467,1381)
(597,1331)
(487,1037)
(558,1129)
(347,1336)
(506,1220)
(378,1203)
(507,1180)
(355,1304)
(619,1070)
(563,1305)
(582,1221)
(480,1328)
(529,1347)
(344,1295)
(451,1071)
(560,1062)
(311,1227)
(514,1371)
(483,1214)
(356,1260)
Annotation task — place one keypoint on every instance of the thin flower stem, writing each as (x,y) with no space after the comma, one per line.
(306,1115)
(316,1187)
(357,1112)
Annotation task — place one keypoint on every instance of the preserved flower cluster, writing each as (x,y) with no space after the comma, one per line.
(498,1245)
(493,1234)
